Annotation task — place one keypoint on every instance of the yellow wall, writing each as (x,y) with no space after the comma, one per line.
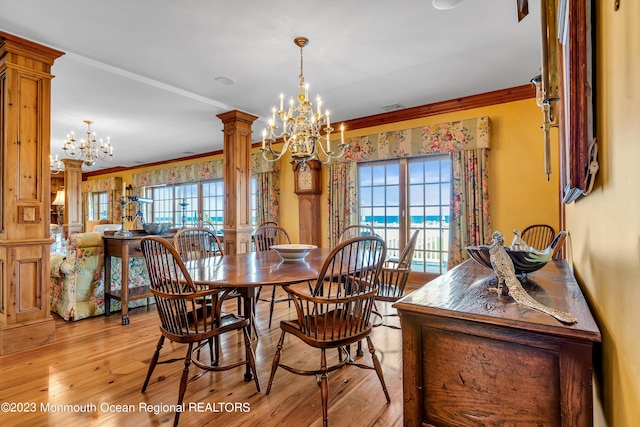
(519,192)
(604,228)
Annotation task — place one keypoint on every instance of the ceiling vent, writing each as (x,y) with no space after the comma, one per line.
(392,107)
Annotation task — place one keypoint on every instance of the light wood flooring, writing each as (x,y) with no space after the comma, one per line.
(99,362)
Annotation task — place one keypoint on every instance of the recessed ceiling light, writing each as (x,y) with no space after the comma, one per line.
(226,81)
(446,4)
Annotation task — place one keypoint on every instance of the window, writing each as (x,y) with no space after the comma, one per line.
(98,208)
(213,203)
(420,186)
(187,204)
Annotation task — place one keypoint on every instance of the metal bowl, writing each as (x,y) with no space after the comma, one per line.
(156,227)
(525,262)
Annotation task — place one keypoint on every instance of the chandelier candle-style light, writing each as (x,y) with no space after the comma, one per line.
(302,127)
(88,151)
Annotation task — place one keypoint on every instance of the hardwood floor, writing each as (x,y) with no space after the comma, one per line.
(99,365)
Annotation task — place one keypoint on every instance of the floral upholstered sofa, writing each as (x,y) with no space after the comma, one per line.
(77,278)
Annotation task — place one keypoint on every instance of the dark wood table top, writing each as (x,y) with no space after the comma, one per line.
(463,293)
(256,268)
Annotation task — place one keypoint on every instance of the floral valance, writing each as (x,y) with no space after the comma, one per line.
(448,137)
(212,169)
(98,185)
(260,165)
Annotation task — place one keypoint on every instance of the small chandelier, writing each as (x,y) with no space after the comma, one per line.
(301,127)
(88,151)
(55,165)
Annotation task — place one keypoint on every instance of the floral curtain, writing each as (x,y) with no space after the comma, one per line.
(343,200)
(451,137)
(113,187)
(267,187)
(470,223)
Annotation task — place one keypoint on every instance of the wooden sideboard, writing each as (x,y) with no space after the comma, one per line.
(124,248)
(471,357)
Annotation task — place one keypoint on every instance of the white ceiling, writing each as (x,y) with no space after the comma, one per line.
(145,71)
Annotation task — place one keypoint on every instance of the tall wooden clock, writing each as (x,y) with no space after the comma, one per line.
(308,188)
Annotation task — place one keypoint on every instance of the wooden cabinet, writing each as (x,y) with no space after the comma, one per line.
(471,357)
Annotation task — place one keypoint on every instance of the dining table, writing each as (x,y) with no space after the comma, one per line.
(246,272)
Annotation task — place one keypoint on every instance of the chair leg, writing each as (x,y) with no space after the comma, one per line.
(276,361)
(376,364)
(251,360)
(324,387)
(183,382)
(215,348)
(153,362)
(271,304)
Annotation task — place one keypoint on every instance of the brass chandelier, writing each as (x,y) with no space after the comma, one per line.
(89,151)
(306,133)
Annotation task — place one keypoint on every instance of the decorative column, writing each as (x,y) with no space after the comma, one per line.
(72,219)
(25,180)
(237,181)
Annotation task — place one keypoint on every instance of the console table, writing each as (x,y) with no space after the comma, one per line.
(124,248)
(471,357)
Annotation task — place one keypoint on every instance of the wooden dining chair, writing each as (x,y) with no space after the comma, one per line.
(195,243)
(394,275)
(270,223)
(557,244)
(186,318)
(264,237)
(336,312)
(356,230)
(538,236)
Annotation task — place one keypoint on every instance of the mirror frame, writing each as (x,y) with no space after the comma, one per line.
(578,147)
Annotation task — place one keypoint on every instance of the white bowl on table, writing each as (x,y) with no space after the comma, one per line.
(293,252)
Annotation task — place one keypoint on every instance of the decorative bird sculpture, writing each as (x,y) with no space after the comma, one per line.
(508,283)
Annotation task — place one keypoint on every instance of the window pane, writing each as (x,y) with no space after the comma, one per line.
(365,176)
(445,170)
(393,174)
(416,173)
(416,194)
(378,175)
(432,172)
(393,195)
(366,198)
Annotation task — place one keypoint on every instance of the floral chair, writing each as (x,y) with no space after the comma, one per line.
(77,278)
